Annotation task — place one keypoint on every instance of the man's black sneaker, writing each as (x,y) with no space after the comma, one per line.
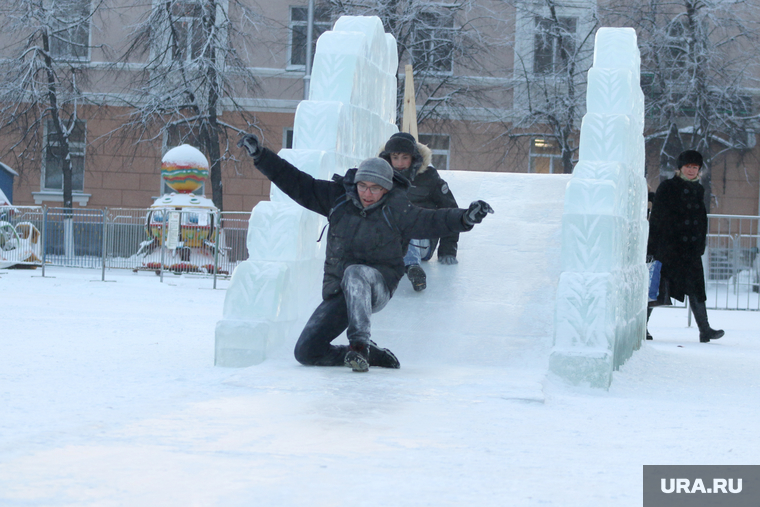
(356,361)
(417,276)
(383,358)
(710,334)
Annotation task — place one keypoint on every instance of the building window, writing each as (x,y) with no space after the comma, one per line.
(439,145)
(554,44)
(52,173)
(545,156)
(70,38)
(677,45)
(299,18)
(177,135)
(287,137)
(187,30)
(432,46)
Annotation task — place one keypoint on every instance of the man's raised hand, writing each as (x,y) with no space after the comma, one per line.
(251,144)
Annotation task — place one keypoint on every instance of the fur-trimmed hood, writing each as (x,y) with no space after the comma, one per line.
(421,160)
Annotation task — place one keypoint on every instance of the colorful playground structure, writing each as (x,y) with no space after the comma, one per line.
(20,245)
(182,221)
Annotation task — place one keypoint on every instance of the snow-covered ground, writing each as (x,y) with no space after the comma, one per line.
(109,397)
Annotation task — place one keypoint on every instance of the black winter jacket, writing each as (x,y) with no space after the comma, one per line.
(430,191)
(678,234)
(376,236)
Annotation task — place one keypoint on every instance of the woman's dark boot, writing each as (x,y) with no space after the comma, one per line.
(706,333)
(649,312)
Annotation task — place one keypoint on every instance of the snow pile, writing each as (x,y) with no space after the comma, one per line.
(185,156)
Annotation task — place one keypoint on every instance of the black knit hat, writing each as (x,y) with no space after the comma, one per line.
(689,157)
(401,142)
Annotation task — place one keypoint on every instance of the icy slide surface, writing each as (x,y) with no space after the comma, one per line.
(496,306)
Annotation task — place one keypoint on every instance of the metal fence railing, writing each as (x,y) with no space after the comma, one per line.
(210,243)
(732,266)
(157,239)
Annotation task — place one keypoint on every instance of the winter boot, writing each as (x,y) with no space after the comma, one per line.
(417,276)
(382,357)
(710,334)
(649,336)
(356,358)
(706,333)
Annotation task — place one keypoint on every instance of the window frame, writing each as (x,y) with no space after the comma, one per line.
(79,21)
(554,52)
(431,33)
(77,149)
(190,26)
(555,159)
(320,26)
(428,140)
(287,137)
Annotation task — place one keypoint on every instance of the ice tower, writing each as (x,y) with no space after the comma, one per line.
(601,298)
(350,113)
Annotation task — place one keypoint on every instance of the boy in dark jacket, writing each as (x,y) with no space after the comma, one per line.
(677,238)
(412,160)
(371,222)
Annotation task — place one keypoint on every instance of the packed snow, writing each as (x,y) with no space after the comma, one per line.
(185,156)
(109,397)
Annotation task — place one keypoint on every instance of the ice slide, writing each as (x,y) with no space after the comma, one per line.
(495,307)
(554,280)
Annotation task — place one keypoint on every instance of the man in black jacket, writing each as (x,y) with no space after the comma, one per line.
(413,161)
(371,222)
(677,238)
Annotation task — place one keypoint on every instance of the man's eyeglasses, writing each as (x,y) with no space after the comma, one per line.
(374,189)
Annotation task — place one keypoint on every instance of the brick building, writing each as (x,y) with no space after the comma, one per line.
(112,169)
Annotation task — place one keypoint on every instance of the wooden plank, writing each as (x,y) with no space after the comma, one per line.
(409,120)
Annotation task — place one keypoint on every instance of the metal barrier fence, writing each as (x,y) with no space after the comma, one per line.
(167,240)
(731,263)
(156,239)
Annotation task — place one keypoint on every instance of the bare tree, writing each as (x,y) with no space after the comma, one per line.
(42,84)
(553,49)
(192,74)
(699,61)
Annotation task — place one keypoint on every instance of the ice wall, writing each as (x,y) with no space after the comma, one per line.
(350,113)
(601,298)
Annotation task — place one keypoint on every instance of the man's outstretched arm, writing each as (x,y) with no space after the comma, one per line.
(423,223)
(311,193)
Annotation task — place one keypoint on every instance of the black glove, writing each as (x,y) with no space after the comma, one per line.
(448,259)
(476,212)
(252,145)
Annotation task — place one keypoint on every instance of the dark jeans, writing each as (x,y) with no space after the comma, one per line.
(364,293)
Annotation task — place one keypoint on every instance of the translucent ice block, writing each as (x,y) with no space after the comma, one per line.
(280,231)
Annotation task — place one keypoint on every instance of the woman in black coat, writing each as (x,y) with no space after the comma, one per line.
(677,238)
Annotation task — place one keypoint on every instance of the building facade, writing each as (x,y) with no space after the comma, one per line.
(500,87)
